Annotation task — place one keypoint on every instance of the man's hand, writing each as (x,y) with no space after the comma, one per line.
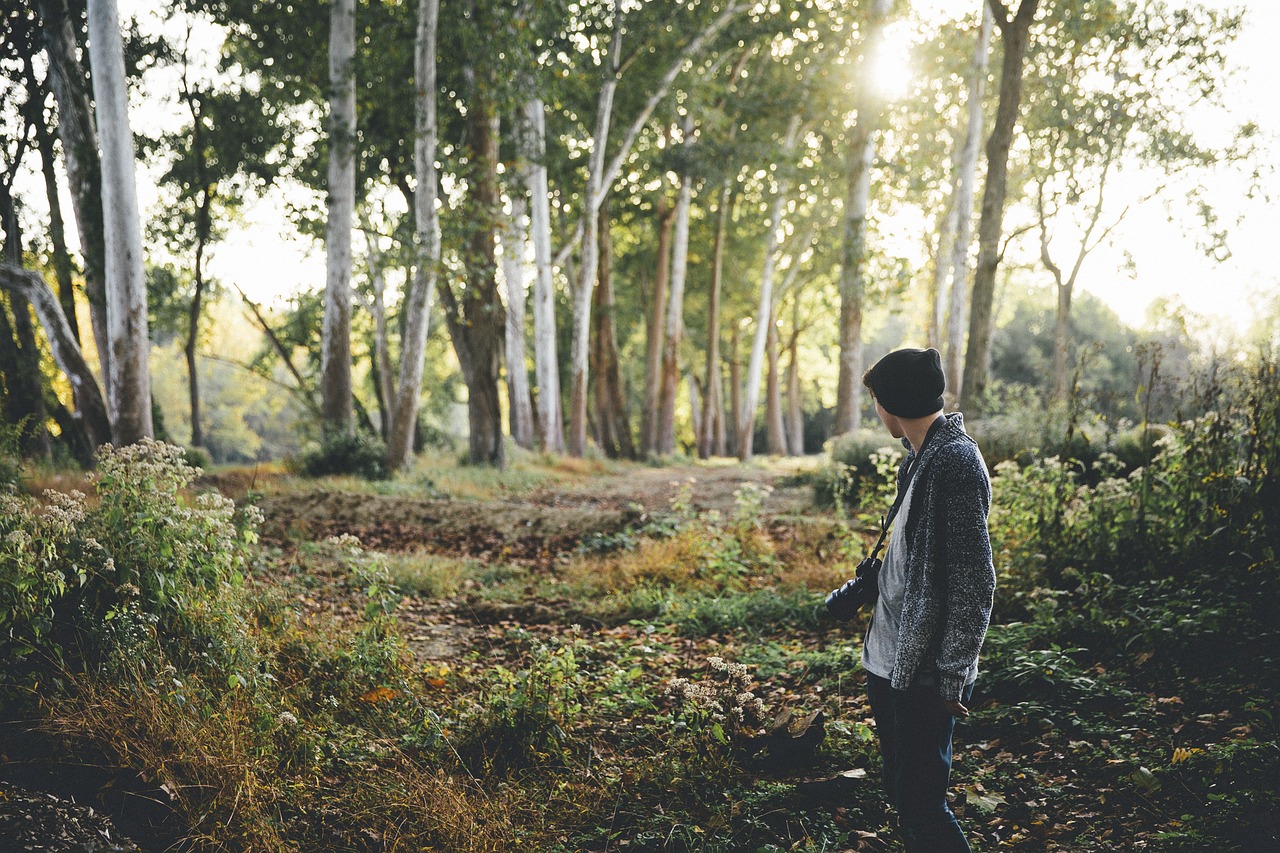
(955,708)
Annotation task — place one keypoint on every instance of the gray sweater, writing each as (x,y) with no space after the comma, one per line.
(950,578)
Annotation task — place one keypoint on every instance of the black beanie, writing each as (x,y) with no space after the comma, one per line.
(908,382)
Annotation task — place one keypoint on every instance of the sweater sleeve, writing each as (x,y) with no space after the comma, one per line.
(965,556)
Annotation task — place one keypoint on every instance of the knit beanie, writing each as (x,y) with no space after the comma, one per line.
(908,382)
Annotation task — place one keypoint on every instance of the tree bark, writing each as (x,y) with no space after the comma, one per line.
(656,329)
(613,430)
(130,399)
(24,405)
(1015,34)
(417,305)
(795,408)
(335,362)
(775,430)
(958,303)
(764,310)
(735,394)
(205,191)
(599,181)
(675,308)
(861,152)
(70,82)
(383,377)
(519,408)
(713,398)
(57,230)
(477,322)
(584,291)
(91,406)
(546,364)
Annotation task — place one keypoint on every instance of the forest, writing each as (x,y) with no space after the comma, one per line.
(435,426)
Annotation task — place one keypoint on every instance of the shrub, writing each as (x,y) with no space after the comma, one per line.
(69,565)
(359,454)
(854,465)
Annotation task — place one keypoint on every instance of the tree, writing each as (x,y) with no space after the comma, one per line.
(952,273)
(70,85)
(861,155)
(601,174)
(417,305)
(335,363)
(1108,70)
(1015,32)
(130,385)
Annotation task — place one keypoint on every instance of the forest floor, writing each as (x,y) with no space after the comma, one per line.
(583,562)
(1071,769)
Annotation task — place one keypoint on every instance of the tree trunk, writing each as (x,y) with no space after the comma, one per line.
(675,308)
(130,400)
(764,309)
(599,181)
(1015,33)
(775,429)
(57,232)
(203,228)
(91,406)
(713,399)
(612,427)
(735,399)
(381,356)
(656,329)
(24,404)
(335,362)
(69,82)
(546,364)
(795,410)
(582,296)
(477,323)
(417,303)
(862,149)
(958,302)
(519,409)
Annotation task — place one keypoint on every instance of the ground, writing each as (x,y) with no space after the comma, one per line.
(492,576)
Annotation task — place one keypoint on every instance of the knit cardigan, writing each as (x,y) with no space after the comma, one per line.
(950,577)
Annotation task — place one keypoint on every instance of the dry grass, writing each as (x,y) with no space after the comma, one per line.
(669,562)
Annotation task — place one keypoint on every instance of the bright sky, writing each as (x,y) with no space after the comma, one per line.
(266,257)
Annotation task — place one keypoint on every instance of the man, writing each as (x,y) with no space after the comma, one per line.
(935,593)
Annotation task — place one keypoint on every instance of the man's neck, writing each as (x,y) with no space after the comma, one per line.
(916,430)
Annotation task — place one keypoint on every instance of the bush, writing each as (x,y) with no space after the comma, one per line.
(359,455)
(70,565)
(854,464)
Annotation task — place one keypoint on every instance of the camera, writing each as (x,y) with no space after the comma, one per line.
(863,588)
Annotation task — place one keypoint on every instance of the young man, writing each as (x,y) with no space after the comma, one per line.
(935,593)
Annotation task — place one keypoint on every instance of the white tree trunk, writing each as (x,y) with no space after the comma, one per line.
(594,196)
(126,289)
(546,364)
(599,181)
(764,307)
(515,275)
(417,307)
(675,308)
(862,149)
(966,179)
(335,360)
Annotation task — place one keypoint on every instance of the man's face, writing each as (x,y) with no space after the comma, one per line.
(891,422)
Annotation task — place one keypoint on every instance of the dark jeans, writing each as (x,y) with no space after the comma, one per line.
(914,728)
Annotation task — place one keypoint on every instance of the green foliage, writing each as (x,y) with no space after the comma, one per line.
(358,454)
(134,553)
(525,715)
(856,465)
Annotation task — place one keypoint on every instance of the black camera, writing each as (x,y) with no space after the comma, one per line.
(862,588)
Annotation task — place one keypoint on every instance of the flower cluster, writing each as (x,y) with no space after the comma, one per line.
(725,699)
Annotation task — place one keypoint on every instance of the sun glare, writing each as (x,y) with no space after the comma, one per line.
(890,68)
